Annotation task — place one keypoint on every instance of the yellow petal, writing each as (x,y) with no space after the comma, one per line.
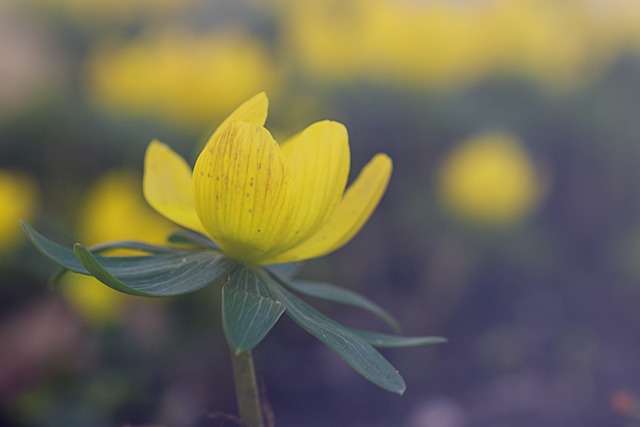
(241,190)
(319,162)
(253,111)
(349,216)
(167,186)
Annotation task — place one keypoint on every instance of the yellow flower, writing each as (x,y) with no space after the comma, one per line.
(547,41)
(458,53)
(113,210)
(154,75)
(265,203)
(490,179)
(94,302)
(450,44)
(18,199)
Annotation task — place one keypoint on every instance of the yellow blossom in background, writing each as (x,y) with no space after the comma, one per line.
(432,43)
(18,200)
(113,210)
(547,41)
(489,179)
(94,302)
(185,79)
(446,44)
(324,37)
(265,203)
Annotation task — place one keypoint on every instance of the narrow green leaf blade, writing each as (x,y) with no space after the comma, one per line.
(352,348)
(333,293)
(189,237)
(377,339)
(59,254)
(249,310)
(165,274)
(286,271)
(131,245)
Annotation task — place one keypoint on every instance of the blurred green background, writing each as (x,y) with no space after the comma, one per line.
(511,224)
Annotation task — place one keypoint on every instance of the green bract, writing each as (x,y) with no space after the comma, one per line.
(253,299)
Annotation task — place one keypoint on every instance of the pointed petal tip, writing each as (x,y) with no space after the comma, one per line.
(258,102)
(253,111)
(155,147)
(383,159)
(350,215)
(261,96)
(328,124)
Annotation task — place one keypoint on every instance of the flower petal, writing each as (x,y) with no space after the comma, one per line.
(253,111)
(167,186)
(241,190)
(319,162)
(349,216)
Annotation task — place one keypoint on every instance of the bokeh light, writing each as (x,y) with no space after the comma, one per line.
(490,179)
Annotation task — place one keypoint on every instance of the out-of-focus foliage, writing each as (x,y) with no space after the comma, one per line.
(539,297)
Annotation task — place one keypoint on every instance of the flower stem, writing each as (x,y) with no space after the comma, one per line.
(247,393)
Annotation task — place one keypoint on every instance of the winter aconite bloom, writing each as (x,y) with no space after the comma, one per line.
(265,203)
(490,179)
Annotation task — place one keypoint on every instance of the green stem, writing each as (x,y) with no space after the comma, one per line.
(247,393)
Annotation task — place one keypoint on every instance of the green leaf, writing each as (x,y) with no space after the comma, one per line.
(351,347)
(249,310)
(377,339)
(340,295)
(134,246)
(165,274)
(286,271)
(192,238)
(59,254)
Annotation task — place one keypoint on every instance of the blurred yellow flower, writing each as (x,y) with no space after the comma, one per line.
(429,43)
(547,41)
(324,37)
(18,200)
(489,179)
(182,78)
(113,210)
(446,44)
(94,302)
(261,202)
